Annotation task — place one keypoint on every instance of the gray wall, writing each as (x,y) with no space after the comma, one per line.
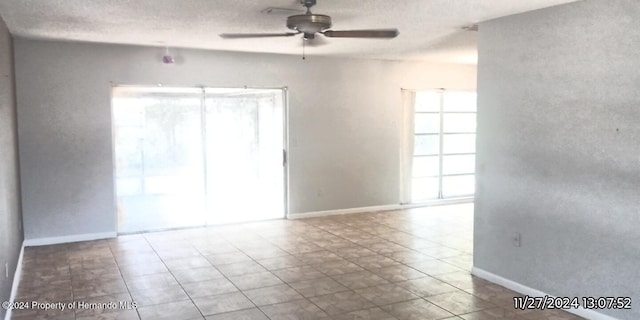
(10,217)
(558,155)
(344,123)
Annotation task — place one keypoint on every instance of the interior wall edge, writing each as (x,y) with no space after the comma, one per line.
(16,282)
(11,223)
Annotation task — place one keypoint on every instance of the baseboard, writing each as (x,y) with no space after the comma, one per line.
(520,288)
(16,282)
(67,239)
(314,214)
(372,209)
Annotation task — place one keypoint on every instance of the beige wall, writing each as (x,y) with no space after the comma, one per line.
(558,156)
(344,118)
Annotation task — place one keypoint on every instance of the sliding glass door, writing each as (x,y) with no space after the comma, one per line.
(194,156)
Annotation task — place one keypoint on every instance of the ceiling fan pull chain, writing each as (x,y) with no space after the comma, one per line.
(304,45)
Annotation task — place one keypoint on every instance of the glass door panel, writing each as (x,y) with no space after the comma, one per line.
(244,143)
(158,160)
(453,186)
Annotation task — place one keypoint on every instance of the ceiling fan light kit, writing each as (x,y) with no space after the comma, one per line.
(310,24)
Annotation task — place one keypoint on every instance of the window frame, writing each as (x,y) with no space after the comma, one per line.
(410,133)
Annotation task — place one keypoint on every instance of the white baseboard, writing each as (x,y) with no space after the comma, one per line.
(520,288)
(67,239)
(314,214)
(388,207)
(16,282)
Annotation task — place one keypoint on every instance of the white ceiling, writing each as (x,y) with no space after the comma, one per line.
(430,30)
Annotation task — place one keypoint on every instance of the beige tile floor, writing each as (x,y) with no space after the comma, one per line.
(411,264)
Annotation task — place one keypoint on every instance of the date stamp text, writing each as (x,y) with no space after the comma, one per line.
(564,303)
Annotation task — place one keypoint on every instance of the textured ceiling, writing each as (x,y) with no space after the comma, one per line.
(430,30)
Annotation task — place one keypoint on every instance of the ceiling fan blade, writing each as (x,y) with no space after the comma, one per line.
(376,33)
(279,10)
(256,35)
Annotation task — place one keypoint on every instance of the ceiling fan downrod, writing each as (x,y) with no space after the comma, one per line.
(308,3)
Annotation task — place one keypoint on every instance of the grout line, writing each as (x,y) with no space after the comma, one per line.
(172,275)
(123,280)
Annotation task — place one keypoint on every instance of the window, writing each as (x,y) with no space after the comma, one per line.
(440,143)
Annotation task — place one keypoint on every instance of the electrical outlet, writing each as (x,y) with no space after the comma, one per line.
(516,239)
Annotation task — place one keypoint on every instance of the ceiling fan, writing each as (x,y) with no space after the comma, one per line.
(310,24)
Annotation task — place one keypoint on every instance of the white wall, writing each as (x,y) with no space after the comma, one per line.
(10,216)
(344,118)
(558,156)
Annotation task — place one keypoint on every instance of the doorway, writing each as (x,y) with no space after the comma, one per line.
(197,156)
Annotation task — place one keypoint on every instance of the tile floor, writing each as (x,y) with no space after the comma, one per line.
(411,264)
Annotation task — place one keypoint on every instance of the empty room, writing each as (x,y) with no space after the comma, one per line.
(319,159)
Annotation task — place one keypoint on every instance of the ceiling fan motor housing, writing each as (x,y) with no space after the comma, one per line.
(309,24)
